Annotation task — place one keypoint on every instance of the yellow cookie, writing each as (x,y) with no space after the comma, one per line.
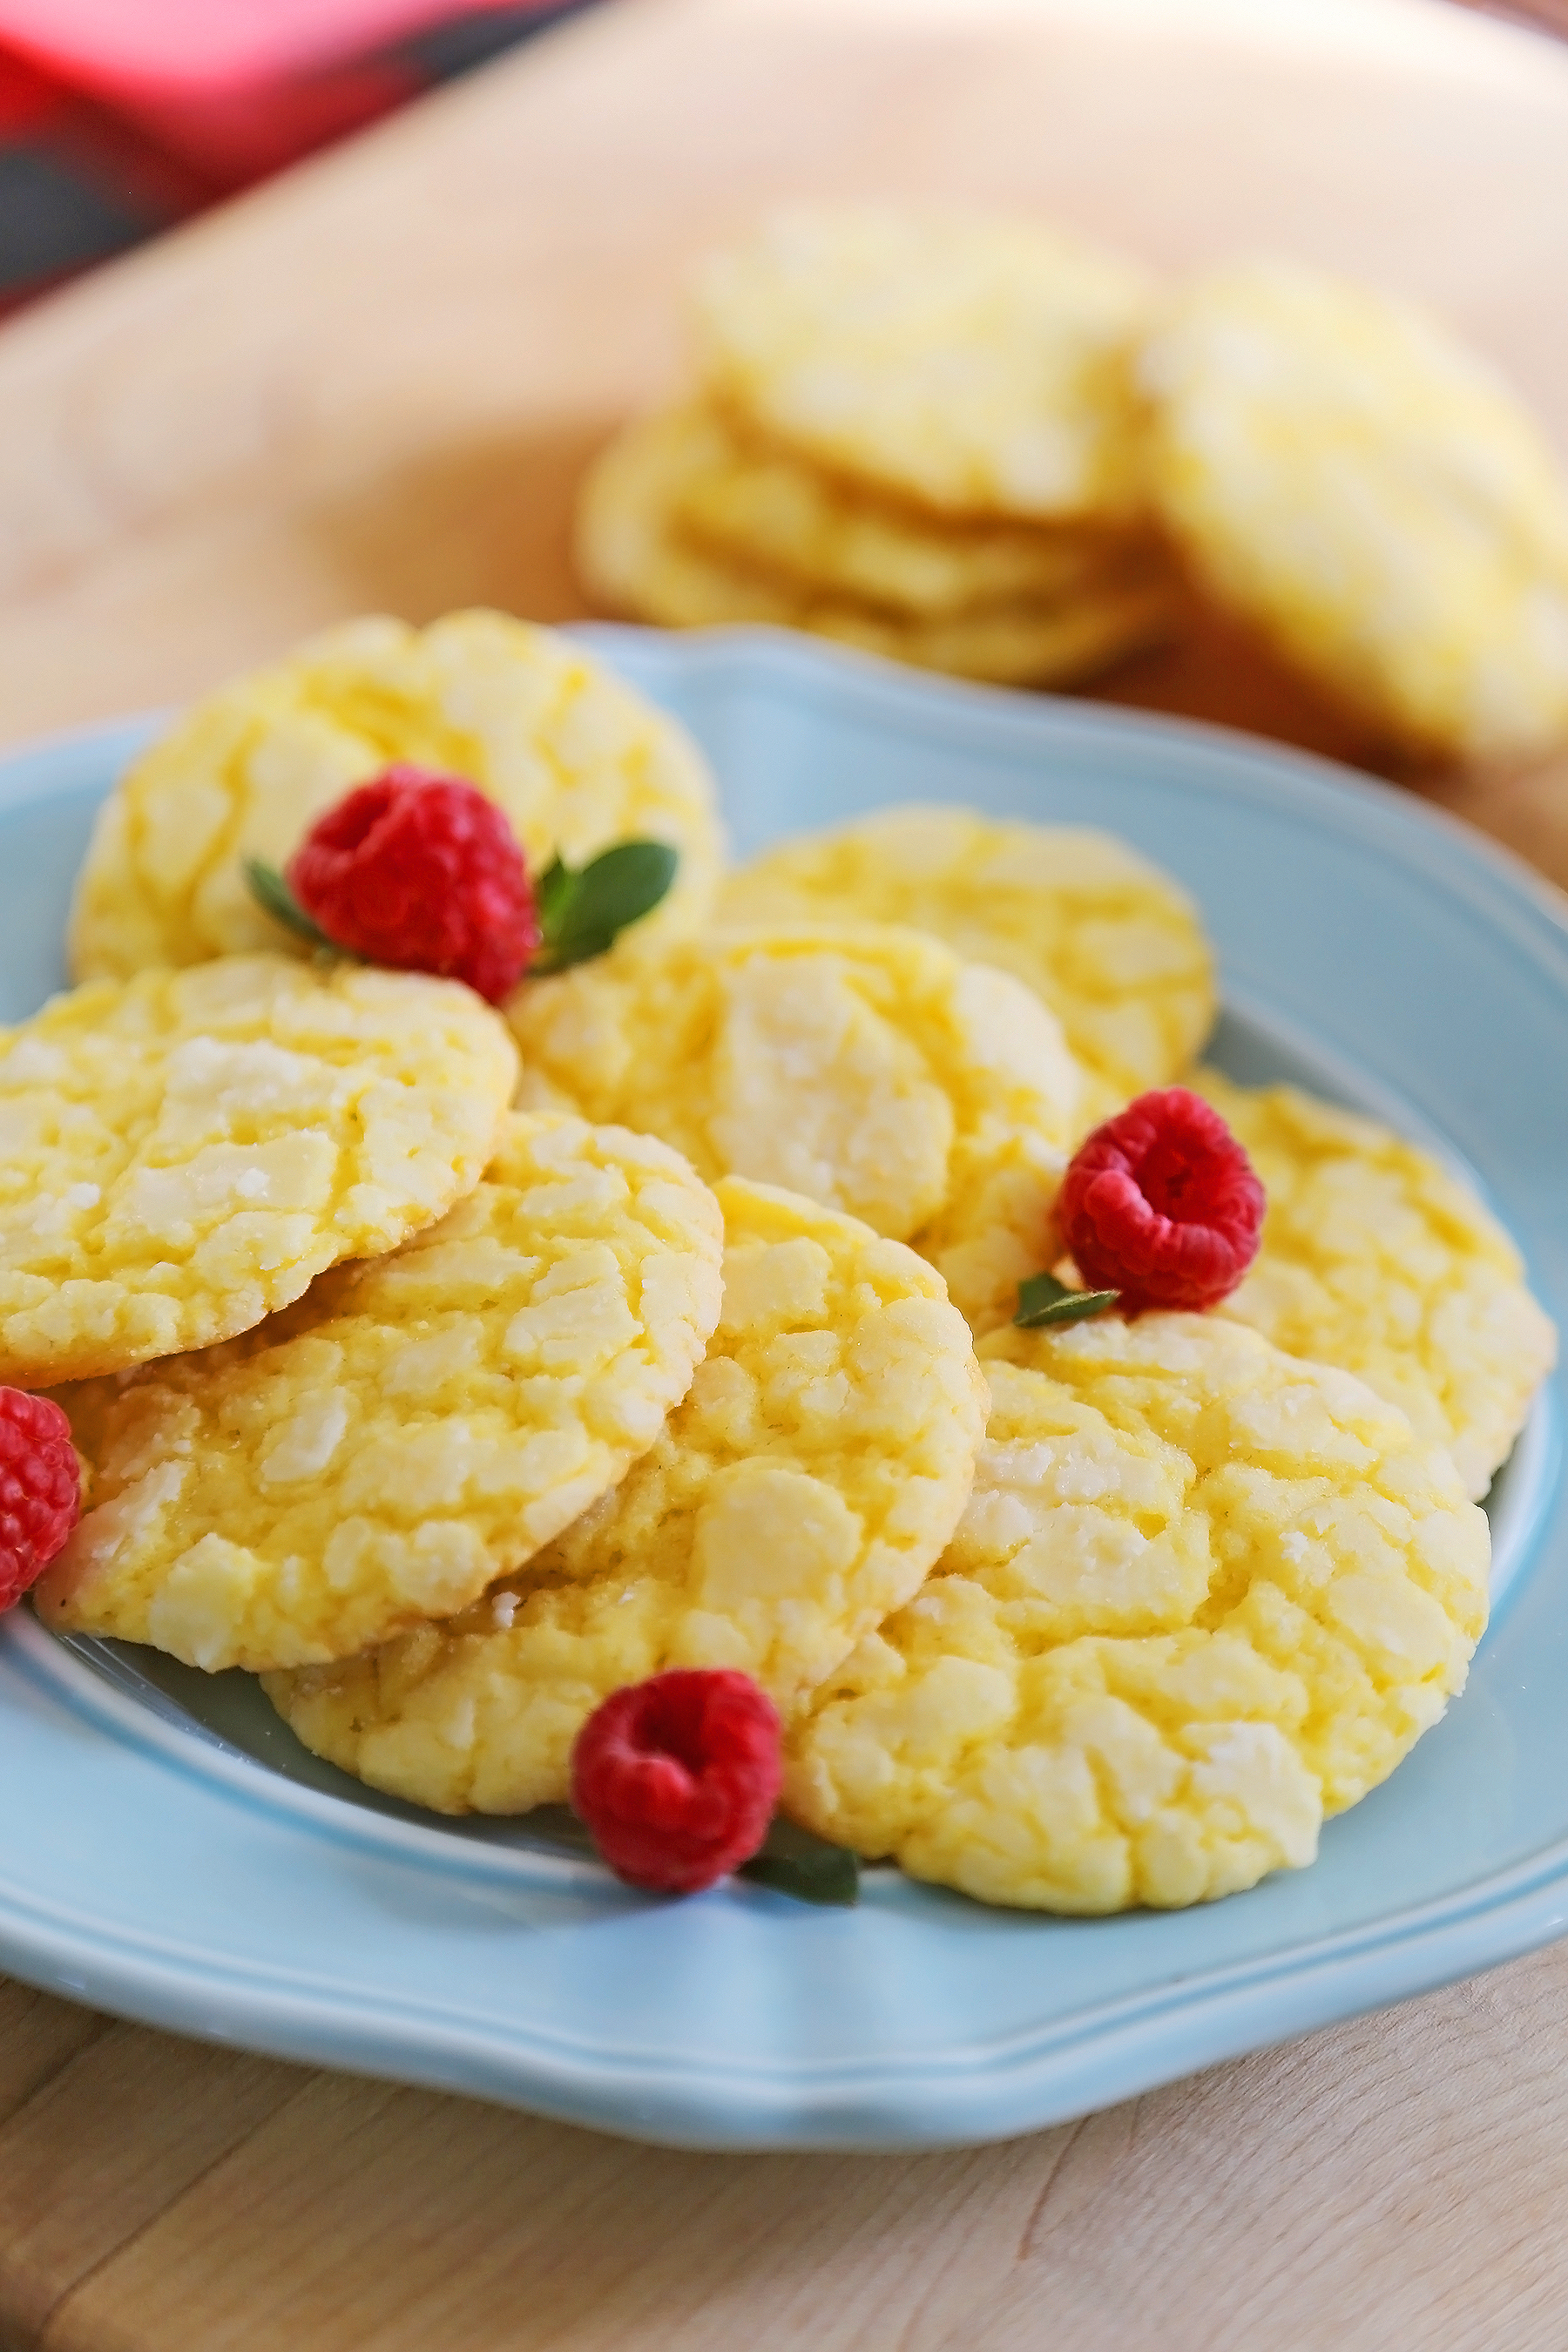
(1114,947)
(1203,1595)
(1374,1258)
(634,557)
(1353,482)
(413,1429)
(574,759)
(182,1152)
(869,1068)
(1021,643)
(975,363)
(755,505)
(804,1489)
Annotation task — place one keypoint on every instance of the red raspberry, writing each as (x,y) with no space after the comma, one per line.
(40,1489)
(676,1778)
(1162,1205)
(423,873)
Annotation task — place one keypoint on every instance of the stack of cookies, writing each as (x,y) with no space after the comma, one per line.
(976,444)
(916,433)
(452,1371)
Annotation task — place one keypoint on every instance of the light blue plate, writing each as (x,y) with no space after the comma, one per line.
(172,1855)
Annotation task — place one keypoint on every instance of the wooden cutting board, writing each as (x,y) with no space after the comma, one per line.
(373,383)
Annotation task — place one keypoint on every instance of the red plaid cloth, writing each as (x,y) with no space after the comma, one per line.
(117,117)
(120,117)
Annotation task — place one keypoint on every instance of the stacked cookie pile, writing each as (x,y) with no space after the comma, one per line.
(453,1375)
(916,433)
(980,446)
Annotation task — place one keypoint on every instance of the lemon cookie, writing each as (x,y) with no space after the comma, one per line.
(414,1428)
(756,505)
(1203,1595)
(803,1489)
(869,1068)
(1114,947)
(183,1152)
(975,363)
(576,759)
(634,557)
(1347,479)
(1375,1258)
(1021,643)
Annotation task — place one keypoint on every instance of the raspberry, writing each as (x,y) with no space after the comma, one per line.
(676,1778)
(40,1489)
(423,873)
(1162,1205)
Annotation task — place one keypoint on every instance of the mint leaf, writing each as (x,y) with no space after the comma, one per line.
(790,1860)
(1041,1290)
(796,1862)
(552,891)
(559,1826)
(1043,1300)
(273,896)
(583,909)
(1076,1307)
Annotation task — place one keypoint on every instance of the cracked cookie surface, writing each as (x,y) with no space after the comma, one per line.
(1203,1594)
(1112,946)
(575,758)
(802,1490)
(182,1153)
(410,1430)
(869,1068)
(1373,1258)
(973,364)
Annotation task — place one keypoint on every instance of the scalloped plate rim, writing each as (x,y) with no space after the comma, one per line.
(1052,2070)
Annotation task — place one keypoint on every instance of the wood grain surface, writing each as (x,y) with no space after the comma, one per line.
(1398,2182)
(372,385)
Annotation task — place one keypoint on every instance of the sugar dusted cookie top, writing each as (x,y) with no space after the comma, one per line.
(869,1068)
(1353,483)
(803,1488)
(973,364)
(414,1428)
(1203,1594)
(1375,1258)
(575,758)
(1114,947)
(182,1153)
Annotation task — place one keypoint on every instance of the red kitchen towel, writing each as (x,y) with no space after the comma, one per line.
(117,117)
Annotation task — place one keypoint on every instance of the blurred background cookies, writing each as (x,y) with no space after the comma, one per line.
(1336,469)
(979,445)
(917,431)
(974,363)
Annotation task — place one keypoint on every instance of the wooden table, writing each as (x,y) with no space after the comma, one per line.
(372,384)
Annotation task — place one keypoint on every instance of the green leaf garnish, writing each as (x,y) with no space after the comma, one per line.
(552,891)
(1043,1299)
(273,896)
(795,1862)
(583,909)
(790,1860)
(559,1826)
